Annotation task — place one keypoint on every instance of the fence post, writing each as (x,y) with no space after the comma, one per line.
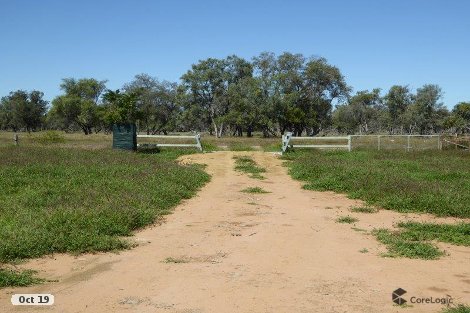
(285,141)
(378,142)
(198,142)
(439,145)
(349,143)
(408,143)
(16,139)
(283,149)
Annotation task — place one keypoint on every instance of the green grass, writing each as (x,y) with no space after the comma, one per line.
(247,165)
(364,209)
(460,308)
(414,240)
(346,219)
(457,234)
(11,278)
(399,246)
(75,200)
(435,182)
(50,137)
(234,143)
(254,190)
(240,147)
(275,147)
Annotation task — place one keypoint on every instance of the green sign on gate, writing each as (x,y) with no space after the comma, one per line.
(125,137)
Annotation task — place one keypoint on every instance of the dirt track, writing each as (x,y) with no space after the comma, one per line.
(276,252)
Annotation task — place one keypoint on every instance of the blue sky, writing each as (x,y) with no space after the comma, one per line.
(374,43)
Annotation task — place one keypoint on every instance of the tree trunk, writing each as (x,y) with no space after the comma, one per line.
(221,128)
(215,128)
(249,131)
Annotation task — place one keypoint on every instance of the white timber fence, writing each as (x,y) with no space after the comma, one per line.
(339,142)
(378,142)
(196,138)
(397,142)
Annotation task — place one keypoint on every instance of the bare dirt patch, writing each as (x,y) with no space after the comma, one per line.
(288,254)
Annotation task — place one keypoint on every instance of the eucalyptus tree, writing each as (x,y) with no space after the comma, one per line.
(397,101)
(78,105)
(301,91)
(365,107)
(429,108)
(462,111)
(121,107)
(157,101)
(22,109)
(459,120)
(323,85)
(266,70)
(207,84)
(246,109)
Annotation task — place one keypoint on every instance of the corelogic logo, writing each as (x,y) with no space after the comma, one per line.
(397,296)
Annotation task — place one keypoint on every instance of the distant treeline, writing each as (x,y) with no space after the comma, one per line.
(232,96)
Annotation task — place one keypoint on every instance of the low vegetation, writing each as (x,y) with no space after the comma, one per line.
(460,308)
(247,165)
(254,190)
(414,240)
(175,260)
(75,200)
(399,246)
(434,182)
(12,278)
(364,209)
(457,234)
(346,219)
(49,137)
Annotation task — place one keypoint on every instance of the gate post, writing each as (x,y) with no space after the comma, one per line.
(198,142)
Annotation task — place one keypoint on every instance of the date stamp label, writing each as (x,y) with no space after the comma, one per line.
(32,299)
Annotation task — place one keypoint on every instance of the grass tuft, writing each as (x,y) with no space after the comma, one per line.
(364,209)
(254,190)
(247,165)
(176,260)
(346,219)
(399,246)
(457,234)
(413,239)
(11,278)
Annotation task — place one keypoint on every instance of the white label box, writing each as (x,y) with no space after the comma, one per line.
(32,299)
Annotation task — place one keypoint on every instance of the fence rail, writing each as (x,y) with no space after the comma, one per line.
(379,142)
(196,137)
(288,138)
(457,144)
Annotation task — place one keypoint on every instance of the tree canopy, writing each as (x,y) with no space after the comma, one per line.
(234,96)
